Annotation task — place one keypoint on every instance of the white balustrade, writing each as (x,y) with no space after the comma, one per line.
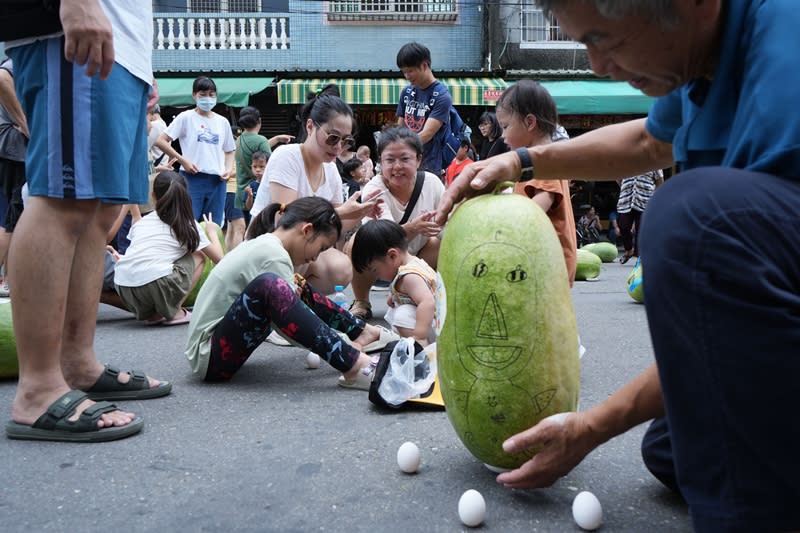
(232,36)
(170,34)
(181,34)
(258,32)
(252,34)
(243,34)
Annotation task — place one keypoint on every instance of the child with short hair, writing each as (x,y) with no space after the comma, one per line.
(381,246)
(353,176)
(258,165)
(461,160)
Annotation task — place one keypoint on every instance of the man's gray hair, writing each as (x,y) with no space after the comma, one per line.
(660,11)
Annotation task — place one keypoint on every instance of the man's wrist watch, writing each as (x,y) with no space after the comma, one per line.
(526,163)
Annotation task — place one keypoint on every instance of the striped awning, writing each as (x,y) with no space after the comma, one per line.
(386,91)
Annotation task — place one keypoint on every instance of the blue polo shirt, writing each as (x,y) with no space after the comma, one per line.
(747,117)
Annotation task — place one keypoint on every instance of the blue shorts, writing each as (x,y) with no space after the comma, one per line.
(207,192)
(91,134)
(231,212)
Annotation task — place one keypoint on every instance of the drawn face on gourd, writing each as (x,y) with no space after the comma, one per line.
(489,284)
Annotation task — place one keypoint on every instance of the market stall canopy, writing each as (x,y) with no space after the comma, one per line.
(597,97)
(234,92)
(386,91)
(574,97)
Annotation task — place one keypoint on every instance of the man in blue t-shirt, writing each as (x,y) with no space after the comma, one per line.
(424,105)
(722,289)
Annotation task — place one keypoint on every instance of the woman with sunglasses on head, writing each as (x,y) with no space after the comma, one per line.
(309,169)
(400,155)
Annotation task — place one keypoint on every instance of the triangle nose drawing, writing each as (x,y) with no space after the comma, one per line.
(493,323)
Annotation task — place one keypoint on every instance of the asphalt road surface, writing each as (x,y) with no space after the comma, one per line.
(282,448)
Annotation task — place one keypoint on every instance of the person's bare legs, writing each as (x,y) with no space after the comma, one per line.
(234,233)
(112,298)
(363,360)
(331,268)
(58,265)
(430,252)
(5,240)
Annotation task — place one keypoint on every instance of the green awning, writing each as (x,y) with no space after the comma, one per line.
(597,97)
(573,97)
(234,92)
(386,91)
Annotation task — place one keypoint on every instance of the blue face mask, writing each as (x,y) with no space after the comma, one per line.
(206,103)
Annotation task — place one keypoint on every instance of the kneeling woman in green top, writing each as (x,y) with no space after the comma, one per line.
(254,288)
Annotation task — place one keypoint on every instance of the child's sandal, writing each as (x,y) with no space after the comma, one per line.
(361,309)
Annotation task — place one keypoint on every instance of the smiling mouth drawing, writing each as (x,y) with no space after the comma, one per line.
(498,357)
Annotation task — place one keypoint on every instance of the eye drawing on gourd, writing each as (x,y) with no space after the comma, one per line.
(488,282)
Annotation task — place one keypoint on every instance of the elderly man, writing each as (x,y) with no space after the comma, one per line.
(722,293)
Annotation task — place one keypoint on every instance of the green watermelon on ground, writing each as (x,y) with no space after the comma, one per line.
(9,367)
(606,251)
(508,348)
(635,285)
(588,265)
(209,264)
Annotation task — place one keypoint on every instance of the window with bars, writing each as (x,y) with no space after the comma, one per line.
(406,10)
(538,30)
(224,6)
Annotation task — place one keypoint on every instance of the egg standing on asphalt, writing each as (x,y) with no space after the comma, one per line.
(312,360)
(587,511)
(472,508)
(408,457)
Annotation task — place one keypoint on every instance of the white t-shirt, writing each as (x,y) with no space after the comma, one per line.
(132,27)
(152,252)
(157,127)
(285,166)
(204,140)
(429,197)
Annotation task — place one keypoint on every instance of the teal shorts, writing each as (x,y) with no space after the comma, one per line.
(89,136)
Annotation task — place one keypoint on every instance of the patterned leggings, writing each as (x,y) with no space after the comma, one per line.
(309,319)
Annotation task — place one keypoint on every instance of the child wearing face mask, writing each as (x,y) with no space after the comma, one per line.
(207,146)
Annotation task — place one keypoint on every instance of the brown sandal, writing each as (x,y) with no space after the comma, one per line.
(361,309)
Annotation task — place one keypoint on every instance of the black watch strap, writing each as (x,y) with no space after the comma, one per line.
(526,163)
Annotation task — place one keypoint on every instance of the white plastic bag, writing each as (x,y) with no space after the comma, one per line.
(408,375)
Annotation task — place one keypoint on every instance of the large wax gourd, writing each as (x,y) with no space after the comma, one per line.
(508,348)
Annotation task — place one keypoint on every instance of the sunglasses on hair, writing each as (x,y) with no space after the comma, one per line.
(332,139)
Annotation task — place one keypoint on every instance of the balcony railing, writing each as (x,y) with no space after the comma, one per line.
(220,31)
(392,10)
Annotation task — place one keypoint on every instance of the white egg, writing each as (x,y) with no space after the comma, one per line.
(471,508)
(408,457)
(587,511)
(312,360)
